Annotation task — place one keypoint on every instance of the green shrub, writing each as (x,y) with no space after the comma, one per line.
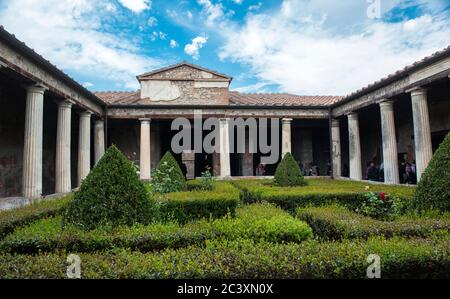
(246,259)
(11,219)
(383,206)
(288,172)
(257,222)
(168,176)
(336,222)
(112,194)
(433,189)
(187,206)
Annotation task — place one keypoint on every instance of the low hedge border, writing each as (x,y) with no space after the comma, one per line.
(11,219)
(335,222)
(187,206)
(244,259)
(257,222)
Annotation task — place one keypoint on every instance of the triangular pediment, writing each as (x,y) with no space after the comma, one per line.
(184,71)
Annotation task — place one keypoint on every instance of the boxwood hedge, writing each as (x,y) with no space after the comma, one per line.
(400,258)
(11,219)
(187,206)
(335,222)
(257,222)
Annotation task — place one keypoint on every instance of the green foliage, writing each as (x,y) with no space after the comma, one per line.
(257,222)
(168,176)
(433,190)
(383,206)
(336,222)
(288,172)
(247,259)
(111,195)
(11,219)
(187,206)
(320,192)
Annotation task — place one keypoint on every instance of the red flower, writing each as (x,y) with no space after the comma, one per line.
(383,196)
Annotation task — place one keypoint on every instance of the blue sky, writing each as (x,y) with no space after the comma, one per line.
(309,47)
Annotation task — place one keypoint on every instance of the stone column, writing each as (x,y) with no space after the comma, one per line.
(390,159)
(354,146)
(32,151)
(99,140)
(286,146)
(224,147)
(336,148)
(422,131)
(84,146)
(145,159)
(63,183)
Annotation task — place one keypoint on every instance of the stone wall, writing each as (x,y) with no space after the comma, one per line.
(184,85)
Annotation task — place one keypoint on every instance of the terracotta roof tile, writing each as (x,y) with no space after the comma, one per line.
(280,99)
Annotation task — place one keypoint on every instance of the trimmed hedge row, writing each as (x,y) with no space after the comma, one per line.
(292,198)
(245,259)
(11,219)
(187,206)
(336,222)
(257,222)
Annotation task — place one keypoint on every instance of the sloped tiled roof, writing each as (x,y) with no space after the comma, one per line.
(280,99)
(236,99)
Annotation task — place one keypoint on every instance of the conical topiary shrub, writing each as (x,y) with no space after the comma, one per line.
(168,176)
(111,195)
(433,190)
(288,172)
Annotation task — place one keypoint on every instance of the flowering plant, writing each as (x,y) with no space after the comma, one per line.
(380,206)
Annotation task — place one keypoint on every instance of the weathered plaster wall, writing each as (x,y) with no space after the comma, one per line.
(184,85)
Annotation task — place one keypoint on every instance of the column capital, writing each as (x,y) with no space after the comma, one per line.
(352,115)
(286,120)
(36,88)
(99,122)
(387,104)
(417,91)
(145,120)
(86,113)
(335,122)
(224,119)
(65,104)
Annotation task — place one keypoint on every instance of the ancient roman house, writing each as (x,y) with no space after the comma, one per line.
(53,130)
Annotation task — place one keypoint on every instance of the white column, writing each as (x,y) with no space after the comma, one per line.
(354,146)
(286,136)
(336,147)
(84,146)
(224,147)
(145,159)
(32,152)
(422,131)
(99,140)
(390,159)
(63,182)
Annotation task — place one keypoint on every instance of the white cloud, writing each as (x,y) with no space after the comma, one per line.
(214,12)
(173,43)
(136,6)
(193,48)
(304,54)
(87,84)
(257,87)
(255,6)
(152,21)
(69,34)
(189,15)
(238,1)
